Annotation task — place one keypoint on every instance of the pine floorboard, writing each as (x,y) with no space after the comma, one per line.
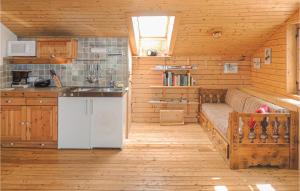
(154,158)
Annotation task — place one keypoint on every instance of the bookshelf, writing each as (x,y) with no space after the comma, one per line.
(182,86)
(173,70)
(179,79)
(173,102)
(176,75)
(175,87)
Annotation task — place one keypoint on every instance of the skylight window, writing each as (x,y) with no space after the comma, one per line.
(153,33)
(153,26)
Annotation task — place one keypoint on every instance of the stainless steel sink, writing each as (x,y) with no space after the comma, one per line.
(106,90)
(93,92)
(81,89)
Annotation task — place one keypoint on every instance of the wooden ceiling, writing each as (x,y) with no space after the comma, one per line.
(245,24)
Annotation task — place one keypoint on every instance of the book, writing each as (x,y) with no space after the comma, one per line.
(172,79)
(189,79)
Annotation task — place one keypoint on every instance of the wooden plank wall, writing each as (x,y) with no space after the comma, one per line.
(273,77)
(209,74)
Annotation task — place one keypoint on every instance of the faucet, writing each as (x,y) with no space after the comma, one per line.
(92,76)
(112,83)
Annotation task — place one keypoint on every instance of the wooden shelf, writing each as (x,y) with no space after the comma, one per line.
(36,60)
(151,56)
(175,87)
(190,69)
(173,102)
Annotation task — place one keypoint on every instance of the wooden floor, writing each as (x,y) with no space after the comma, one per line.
(154,158)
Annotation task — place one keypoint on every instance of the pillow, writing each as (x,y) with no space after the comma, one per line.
(263,109)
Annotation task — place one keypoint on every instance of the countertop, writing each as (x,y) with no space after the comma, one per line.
(93,92)
(47,89)
(67,91)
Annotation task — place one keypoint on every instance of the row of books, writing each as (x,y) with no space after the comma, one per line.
(171,79)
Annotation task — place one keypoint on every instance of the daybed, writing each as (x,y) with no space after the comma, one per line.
(244,137)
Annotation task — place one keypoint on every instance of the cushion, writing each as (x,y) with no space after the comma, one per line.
(218,115)
(263,109)
(275,108)
(253,103)
(236,99)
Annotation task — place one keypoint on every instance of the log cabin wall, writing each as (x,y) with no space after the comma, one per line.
(274,77)
(209,74)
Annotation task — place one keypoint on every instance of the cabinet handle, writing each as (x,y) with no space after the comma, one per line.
(8,101)
(92,107)
(41,101)
(86,107)
(22,123)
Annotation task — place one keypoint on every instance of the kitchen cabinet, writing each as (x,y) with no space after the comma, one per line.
(41,122)
(13,123)
(28,121)
(91,122)
(108,122)
(74,123)
(56,48)
(50,51)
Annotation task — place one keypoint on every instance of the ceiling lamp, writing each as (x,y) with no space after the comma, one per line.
(216,34)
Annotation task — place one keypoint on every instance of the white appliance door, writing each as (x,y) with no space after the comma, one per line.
(74,123)
(107,122)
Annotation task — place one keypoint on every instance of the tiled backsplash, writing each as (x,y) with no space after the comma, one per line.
(5,75)
(112,65)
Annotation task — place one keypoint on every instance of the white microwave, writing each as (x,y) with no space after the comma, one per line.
(21,48)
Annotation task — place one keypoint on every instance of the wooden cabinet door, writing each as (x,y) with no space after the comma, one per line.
(13,123)
(42,123)
(108,122)
(57,48)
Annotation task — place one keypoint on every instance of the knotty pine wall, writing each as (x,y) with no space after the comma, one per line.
(209,74)
(273,77)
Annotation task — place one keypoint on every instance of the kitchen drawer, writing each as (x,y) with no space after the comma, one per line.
(12,94)
(12,101)
(41,101)
(41,94)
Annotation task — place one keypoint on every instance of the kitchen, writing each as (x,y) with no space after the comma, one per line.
(86,95)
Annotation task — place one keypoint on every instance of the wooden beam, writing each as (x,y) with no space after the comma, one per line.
(174,33)
(132,43)
(291,58)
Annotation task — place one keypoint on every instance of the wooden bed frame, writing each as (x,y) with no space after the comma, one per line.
(273,141)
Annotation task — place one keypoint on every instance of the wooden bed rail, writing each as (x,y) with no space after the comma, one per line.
(212,95)
(263,139)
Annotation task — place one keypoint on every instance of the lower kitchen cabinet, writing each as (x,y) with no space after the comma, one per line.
(42,122)
(29,125)
(91,122)
(73,123)
(108,122)
(13,123)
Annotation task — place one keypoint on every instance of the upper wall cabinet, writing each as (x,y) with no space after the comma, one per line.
(50,51)
(57,48)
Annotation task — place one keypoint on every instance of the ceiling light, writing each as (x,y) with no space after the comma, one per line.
(217,34)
